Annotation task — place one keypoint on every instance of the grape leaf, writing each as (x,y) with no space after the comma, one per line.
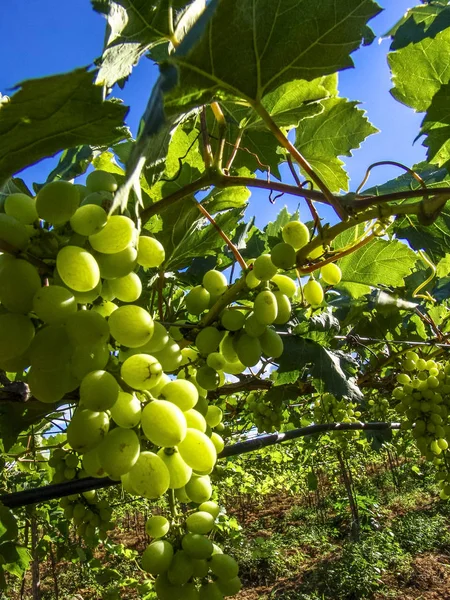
(54,113)
(334,132)
(443,267)
(430,174)
(223,199)
(281,41)
(419,70)
(419,23)
(436,126)
(434,239)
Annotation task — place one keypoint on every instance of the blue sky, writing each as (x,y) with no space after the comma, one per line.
(43,37)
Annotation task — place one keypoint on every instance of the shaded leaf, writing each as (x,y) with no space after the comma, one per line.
(420,22)
(436,127)
(54,113)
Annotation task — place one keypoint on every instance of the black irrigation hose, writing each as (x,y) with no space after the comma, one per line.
(77,486)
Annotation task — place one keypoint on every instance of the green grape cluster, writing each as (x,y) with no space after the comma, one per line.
(189,565)
(90,515)
(267,415)
(423,401)
(328,409)
(65,464)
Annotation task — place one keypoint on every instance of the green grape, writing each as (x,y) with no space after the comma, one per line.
(232,320)
(409,365)
(77,268)
(150,252)
(126,411)
(103,199)
(252,281)
(283,308)
(182,393)
(181,568)
(253,327)
(50,386)
(91,463)
(157,557)
(16,335)
(158,341)
(50,348)
(170,356)
(197,300)
(99,391)
(131,326)
(106,291)
(200,522)
(105,309)
(263,268)
(210,591)
(13,232)
(213,416)
(216,361)
(141,371)
(19,281)
(331,274)
(224,566)
(413,356)
(208,340)
(149,476)
(403,378)
(88,219)
(180,473)
(22,207)
(181,496)
(227,348)
(195,420)
(116,235)
(200,567)
(296,234)
(127,288)
(157,526)
(265,307)
(198,451)
(271,343)
(53,303)
(215,282)
(283,256)
(313,293)
(99,181)
(211,507)
(118,264)
(86,429)
(197,546)
(15,365)
(57,201)
(87,327)
(229,587)
(87,358)
(119,451)
(285,284)
(163,423)
(207,378)
(164,380)
(190,591)
(166,591)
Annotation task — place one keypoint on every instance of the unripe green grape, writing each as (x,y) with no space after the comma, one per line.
(198,451)
(119,451)
(99,180)
(88,219)
(331,274)
(86,429)
(22,207)
(263,268)
(195,420)
(403,378)
(182,393)
(271,343)
(229,587)
(118,264)
(216,361)
(127,288)
(283,308)
(408,365)
(227,348)
(166,591)
(200,522)
(234,368)
(157,526)
(50,348)
(211,507)
(200,568)
(16,335)
(197,546)
(208,340)
(181,568)
(253,327)
(131,326)
(141,371)
(157,557)
(126,411)
(265,307)
(57,201)
(232,320)
(181,496)
(158,341)
(48,386)
(19,282)
(13,232)
(251,280)
(163,381)
(435,447)
(91,463)
(102,198)
(54,302)
(189,356)
(316,253)
(296,234)
(210,591)
(150,252)
(197,300)
(99,391)
(214,415)
(163,423)
(224,566)
(218,442)
(283,256)
(411,355)
(207,378)
(313,293)
(215,282)
(442,443)
(87,327)
(115,236)
(149,476)
(87,358)
(285,284)
(180,473)
(77,268)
